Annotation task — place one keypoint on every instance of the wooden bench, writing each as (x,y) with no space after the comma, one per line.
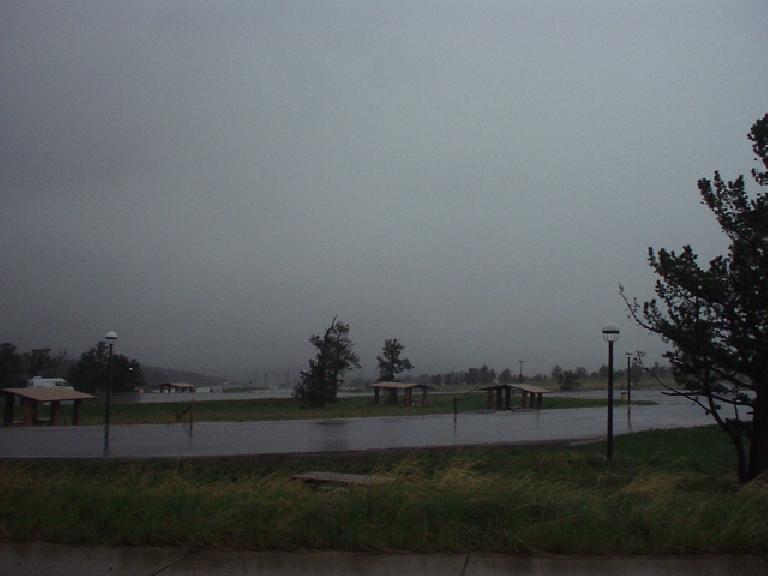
(318,477)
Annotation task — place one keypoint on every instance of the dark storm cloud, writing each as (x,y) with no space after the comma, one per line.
(215,181)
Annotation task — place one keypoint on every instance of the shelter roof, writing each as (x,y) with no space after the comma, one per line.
(399,385)
(496,386)
(179,385)
(47,394)
(520,387)
(529,388)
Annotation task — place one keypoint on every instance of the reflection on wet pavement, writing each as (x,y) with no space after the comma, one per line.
(231,438)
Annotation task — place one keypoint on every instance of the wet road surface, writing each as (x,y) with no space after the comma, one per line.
(34,558)
(279,437)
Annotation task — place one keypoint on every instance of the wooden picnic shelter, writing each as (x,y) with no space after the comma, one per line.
(500,396)
(392,390)
(31,399)
(176,387)
(531,395)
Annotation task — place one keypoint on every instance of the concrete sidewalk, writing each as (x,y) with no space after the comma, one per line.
(33,559)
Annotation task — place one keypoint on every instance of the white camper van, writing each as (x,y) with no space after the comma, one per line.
(40,382)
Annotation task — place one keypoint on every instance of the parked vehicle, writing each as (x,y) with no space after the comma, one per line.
(40,382)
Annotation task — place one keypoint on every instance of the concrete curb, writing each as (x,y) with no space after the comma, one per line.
(30,558)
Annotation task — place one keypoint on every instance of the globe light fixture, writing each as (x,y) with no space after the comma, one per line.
(611,332)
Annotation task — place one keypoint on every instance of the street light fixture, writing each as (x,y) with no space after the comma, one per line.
(610,335)
(111,338)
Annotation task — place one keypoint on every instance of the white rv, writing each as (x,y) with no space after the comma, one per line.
(40,382)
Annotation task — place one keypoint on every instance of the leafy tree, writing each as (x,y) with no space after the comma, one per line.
(659,371)
(90,372)
(390,362)
(320,382)
(10,365)
(636,370)
(487,375)
(482,375)
(557,373)
(506,376)
(40,362)
(569,380)
(716,317)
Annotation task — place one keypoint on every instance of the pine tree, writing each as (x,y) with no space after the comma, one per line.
(320,382)
(390,363)
(716,317)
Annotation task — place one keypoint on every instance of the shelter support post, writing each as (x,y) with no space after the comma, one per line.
(30,411)
(76,412)
(10,401)
(54,413)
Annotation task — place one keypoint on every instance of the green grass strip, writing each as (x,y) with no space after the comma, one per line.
(668,492)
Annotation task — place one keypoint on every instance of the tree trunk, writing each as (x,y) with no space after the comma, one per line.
(333,388)
(731,428)
(758,450)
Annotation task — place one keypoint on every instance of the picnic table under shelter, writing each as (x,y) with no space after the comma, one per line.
(392,390)
(500,396)
(30,400)
(176,387)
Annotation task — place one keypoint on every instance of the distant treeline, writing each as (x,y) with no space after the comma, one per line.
(564,378)
(89,372)
(16,367)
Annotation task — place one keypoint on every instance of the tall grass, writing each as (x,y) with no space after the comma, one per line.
(667,492)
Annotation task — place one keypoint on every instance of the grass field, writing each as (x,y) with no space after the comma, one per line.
(287,409)
(667,492)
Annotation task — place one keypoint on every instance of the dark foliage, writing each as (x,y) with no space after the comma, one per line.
(90,372)
(716,317)
(390,362)
(320,382)
(10,365)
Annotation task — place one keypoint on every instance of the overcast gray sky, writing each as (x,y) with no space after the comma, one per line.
(216,180)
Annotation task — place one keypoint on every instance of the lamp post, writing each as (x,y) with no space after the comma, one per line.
(610,335)
(629,385)
(111,339)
